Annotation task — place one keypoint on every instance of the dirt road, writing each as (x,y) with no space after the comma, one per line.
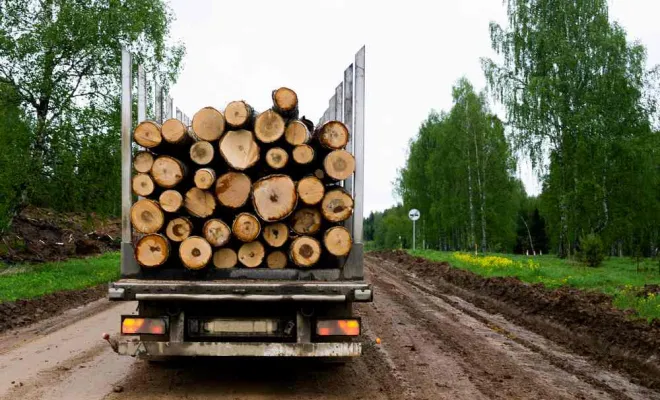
(434,346)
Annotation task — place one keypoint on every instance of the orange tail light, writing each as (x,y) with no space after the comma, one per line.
(143,326)
(338,327)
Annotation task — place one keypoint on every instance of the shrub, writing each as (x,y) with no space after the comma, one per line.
(592,252)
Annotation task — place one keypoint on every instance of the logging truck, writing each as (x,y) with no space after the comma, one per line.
(242,230)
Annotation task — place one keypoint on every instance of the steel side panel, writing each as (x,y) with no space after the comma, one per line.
(224,349)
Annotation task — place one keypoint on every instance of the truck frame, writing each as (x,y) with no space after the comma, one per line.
(245,312)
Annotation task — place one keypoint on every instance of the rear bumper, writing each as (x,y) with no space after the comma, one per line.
(147,350)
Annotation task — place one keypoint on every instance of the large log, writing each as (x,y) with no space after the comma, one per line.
(306,221)
(202,152)
(175,132)
(339,164)
(275,235)
(142,185)
(239,149)
(310,190)
(152,250)
(199,203)
(337,205)
(195,252)
(148,134)
(225,258)
(179,229)
(143,161)
(305,251)
(208,124)
(216,232)
(296,133)
(303,154)
(233,189)
(246,227)
(204,178)
(168,171)
(239,114)
(274,197)
(285,102)
(269,126)
(337,240)
(251,254)
(277,260)
(332,135)
(146,216)
(277,157)
(171,201)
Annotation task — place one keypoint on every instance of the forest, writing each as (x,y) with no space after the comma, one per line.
(579,102)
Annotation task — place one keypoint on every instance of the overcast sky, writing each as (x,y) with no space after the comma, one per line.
(415,52)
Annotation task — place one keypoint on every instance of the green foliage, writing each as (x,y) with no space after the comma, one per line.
(591,253)
(391,229)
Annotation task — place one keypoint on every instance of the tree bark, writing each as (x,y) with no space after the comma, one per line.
(303,154)
(142,184)
(204,178)
(310,190)
(306,221)
(175,132)
(147,216)
(285,102)
(171,201)
(305,251)
(246,227)
(269,126)
(332,135)
(275,235)
(296,133)
(337,205)
(179,229)
(239,149)
(274,197)
(277,260)
(216,232)
(277,158)
(195,252)
(225,258)
(337,240)
(251,254)
(143,161)
(201,152)
(208,124)
(339,165)
(168,171)
(199,203)
(239,114)
(148,134)
(152,250)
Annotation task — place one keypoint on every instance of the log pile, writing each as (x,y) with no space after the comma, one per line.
(242,189)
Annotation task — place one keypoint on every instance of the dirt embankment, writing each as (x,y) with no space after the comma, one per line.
(585,322)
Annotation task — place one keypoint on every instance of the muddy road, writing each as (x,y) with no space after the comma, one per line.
(434,346)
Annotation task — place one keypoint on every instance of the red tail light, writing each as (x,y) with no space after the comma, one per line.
(338,327)
(143,326)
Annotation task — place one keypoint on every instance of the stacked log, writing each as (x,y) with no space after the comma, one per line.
(241,189)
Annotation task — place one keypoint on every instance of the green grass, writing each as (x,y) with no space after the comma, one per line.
(28,281)
(618,277)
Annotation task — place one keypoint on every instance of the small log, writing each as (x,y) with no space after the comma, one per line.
(179,229)
(239,149)
(216,232)
(305,251)
(208,124)
(296,133)
(269,126)
(199,203)
(204,178)
(285,102)
(175,132)
(152,250)
(251,254)
(277,158)
(337,205)
(171,201)
(143,161)
(246,227)
(303,154)
(277,260)
(274,197)
(148,134)
(337,240)
(276,234)
(332,135)
(225,258)
(306,221)
(146,216)
(339,164)
(168,171)
(310,190)
(233,189)
(142,185)
(195,252)
(201,152)
(319,173)
(239,114)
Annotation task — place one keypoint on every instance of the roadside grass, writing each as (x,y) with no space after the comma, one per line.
(618,277)
(26,281)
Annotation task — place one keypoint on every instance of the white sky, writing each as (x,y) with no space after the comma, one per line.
(415,51)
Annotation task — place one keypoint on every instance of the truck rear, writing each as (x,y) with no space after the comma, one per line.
(221,286)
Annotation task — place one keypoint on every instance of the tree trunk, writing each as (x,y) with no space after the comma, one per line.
(337,205)
(269,126)
(239,114)
(274,197)
(277,260)
(337,240)
(152,250)
(208,124)
(310,190)
(143,161)
(199,203)
(277,157)
(306,221)
(332,135)
(482,195)
(146,216)
(175,132)
(303,154)
(251,254)
(201,152)
(339,164)
(305,251)
(204,178)
(246,227)
(276,234)
(216,232)
(148,134)
(239,149)
(195,252)
(171,201)
(168,171)
(179,229)
(225,258)
(285,102)
(296,133)
(142,184)
(233,189)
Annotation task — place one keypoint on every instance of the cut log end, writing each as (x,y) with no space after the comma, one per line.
(275,235)
(171,201)
(296,133)
(204,178)
(179,229)
(167,172)
(142,185)
(310,190)
(251,254)
(277,260)
(306,221)
(269,126)
(285,100)
(148,134)
(305,251)
(208,124)
(199,203)
(225,258)
(337,205)
(339,164)
(152,250)
(146,216)
(274,197)
(143,162)
(238,114)
(246,227)
(201,152)
(277,158)
(337,241)
(195,252)
(333,135)
(175,131)
(303,154)
(239,149)
(233,189)
(216,232)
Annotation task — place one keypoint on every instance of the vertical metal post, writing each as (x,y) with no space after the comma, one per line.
(358,137)
(142,94)
(339,102)
(179,115)
(158,106)
(413,235)
(332,108)
(348,120)
(170,114)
